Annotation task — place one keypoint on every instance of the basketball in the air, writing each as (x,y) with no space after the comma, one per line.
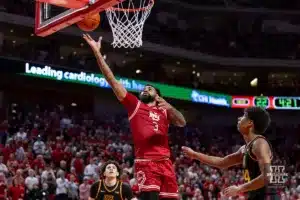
(89,23)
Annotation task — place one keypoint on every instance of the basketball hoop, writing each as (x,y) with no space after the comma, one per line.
(127,20)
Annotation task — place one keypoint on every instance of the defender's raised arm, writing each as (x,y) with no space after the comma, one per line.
(218,162)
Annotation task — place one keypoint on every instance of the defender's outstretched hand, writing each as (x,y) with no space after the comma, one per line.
(232,191)
(96,46)
(188,152)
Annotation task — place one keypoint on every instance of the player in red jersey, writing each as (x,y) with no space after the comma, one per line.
(149,118)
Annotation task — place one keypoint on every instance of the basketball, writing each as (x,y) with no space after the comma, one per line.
(89,23)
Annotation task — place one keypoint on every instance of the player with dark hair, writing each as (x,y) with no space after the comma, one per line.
(110,187)
(255,155)
(149,116)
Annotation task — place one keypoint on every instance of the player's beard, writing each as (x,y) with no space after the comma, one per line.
(146,98)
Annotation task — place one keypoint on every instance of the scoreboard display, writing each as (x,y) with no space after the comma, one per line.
(287,103)
(277,103)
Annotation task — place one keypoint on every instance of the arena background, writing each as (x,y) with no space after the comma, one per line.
(211,48)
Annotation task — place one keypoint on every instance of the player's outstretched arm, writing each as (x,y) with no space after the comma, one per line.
(117,87)
(262,152)
(218,162)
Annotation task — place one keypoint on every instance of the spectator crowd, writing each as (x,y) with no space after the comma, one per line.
(47,154)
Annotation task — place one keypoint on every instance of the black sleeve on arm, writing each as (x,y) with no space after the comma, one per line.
(94,190)
(126,191)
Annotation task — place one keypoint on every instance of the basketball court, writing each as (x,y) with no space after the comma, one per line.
(126,18)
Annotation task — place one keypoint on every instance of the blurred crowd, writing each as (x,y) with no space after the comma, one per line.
(226,34)
(48,153)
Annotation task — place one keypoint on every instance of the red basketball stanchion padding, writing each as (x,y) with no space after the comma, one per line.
(47,23)
(67,3)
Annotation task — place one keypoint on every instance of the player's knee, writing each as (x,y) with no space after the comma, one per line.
(149,195)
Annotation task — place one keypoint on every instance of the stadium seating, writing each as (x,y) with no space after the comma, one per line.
(39,145)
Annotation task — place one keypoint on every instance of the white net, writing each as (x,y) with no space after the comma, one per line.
(127,22)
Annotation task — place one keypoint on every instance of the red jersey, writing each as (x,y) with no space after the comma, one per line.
(149,126)
(16,192)
(78,165)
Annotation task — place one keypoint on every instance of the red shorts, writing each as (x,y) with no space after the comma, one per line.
(156,176)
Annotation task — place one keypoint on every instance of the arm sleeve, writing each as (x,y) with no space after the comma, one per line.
(130,102)
(94,190)
(127,191)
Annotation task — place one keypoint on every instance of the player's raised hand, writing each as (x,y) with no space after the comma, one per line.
(187,151)
(95,45)
(162,103)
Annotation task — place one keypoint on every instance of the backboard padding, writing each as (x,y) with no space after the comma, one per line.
(67,18)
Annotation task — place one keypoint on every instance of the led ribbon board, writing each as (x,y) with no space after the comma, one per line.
(98,80)
(197,96)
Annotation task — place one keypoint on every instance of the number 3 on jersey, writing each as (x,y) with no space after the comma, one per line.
(246,175)
(155,118)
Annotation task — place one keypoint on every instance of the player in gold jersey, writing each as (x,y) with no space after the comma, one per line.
(110,187)
(255,155)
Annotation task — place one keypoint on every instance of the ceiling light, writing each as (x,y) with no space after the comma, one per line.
(194,72)
(178,63)
(198,74)
(253,83)
(138,71)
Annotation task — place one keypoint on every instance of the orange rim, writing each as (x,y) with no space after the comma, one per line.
(151,3)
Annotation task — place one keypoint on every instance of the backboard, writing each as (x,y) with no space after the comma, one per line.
(54,15)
